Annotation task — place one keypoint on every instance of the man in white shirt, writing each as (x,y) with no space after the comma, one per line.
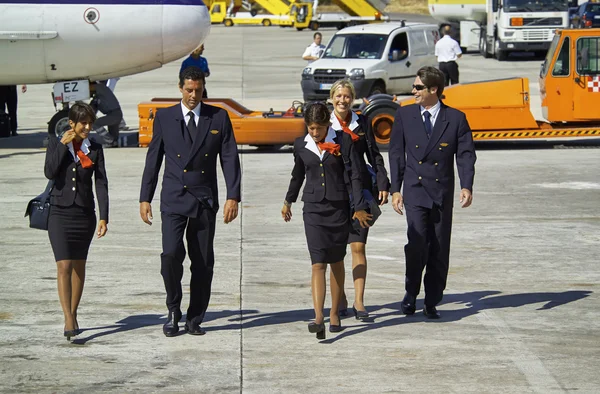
(447,51)
(314,50)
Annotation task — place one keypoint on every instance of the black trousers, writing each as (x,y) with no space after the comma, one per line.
(200,234)
(428,246)
(450,70)
(8,104)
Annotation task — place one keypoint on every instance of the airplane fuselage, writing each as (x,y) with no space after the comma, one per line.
(71,39)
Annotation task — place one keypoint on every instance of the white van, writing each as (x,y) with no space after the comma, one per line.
(377,58)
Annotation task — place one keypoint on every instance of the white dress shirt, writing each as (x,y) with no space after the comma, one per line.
(434,111)
(185,110)
(447,49)
(85,148)
(313,50)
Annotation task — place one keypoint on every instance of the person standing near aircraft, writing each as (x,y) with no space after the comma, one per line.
(106,102)
(71,162)
(343,119)
(426,136)
(320,158)
(189,136)
(195,59)
(112,85)
(8,104)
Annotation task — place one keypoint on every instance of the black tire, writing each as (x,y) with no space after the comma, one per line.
(501,55)
(380,112)
(266,22)
(299,28)
(228,22)
(253,12)
(59,123)
(378,88)
(314,26)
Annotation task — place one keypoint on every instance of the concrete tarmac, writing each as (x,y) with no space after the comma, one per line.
(519,315)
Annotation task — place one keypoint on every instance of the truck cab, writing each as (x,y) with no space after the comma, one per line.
(522,25)
(570,77)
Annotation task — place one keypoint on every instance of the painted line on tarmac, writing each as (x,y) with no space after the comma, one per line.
(538,377)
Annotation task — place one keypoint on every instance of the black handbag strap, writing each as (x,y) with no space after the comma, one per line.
(45,196)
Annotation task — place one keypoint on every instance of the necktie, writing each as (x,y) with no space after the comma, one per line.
(428,127)
(86,162)
(191,126)
(346,129)
(333,149)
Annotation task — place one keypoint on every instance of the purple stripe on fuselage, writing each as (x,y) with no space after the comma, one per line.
(106,2)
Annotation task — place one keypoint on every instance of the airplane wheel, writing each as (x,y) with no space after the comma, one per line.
(59,123)
(266,22)
(228,22)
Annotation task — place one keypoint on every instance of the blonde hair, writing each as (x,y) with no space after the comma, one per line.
(342,83)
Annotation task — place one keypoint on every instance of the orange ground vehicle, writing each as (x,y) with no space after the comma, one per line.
(495,110)
(499,110)
(271,128)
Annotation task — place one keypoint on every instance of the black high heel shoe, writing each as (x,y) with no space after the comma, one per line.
(71,333)
(319,329)
(359,315)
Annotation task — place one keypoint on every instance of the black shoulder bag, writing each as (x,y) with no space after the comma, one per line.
(38,209)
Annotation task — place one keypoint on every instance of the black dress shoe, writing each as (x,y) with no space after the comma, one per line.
(318,329)
(359,315)
(193,328)
(408,304)
(171,328)
(431,312)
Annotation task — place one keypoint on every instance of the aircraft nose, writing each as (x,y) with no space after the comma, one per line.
(186,24)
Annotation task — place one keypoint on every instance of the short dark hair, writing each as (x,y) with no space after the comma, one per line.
(316,112)
(81,111)
(432,77)
(317,34)
(192,72)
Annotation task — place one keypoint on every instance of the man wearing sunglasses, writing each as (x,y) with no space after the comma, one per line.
(426,138)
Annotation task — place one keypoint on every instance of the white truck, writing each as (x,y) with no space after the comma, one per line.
(499,27)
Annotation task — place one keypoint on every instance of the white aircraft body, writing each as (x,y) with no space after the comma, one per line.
(65,40)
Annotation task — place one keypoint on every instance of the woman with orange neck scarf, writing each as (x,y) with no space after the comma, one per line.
(359,129)
(71,162)
(319,158)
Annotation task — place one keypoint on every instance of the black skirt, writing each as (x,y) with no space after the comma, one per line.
(70,230)
(326,225)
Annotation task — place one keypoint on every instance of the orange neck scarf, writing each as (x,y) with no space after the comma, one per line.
(86,162)
(345,127)
(330,147)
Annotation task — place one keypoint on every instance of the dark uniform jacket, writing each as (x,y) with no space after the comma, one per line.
(72,182)
(190,176)
(361,126)
(426,166)
(326,179)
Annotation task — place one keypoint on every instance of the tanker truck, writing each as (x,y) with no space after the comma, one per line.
(498,27)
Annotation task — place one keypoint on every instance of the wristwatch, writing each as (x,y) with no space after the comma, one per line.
(287,204)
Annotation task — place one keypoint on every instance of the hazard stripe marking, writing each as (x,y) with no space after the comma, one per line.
(520,134)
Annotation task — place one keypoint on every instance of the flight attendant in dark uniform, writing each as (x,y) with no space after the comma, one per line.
(358,127)
(319,157)
(72,162)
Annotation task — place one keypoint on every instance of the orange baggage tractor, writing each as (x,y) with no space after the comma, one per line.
(262,129)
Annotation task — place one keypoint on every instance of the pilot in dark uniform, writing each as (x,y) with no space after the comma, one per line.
(426,137)
(190,136)
(319,159)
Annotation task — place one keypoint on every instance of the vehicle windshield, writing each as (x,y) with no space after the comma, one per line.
(549,55)
(535,5)
(356,46)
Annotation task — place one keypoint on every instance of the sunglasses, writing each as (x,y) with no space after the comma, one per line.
(419,87)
